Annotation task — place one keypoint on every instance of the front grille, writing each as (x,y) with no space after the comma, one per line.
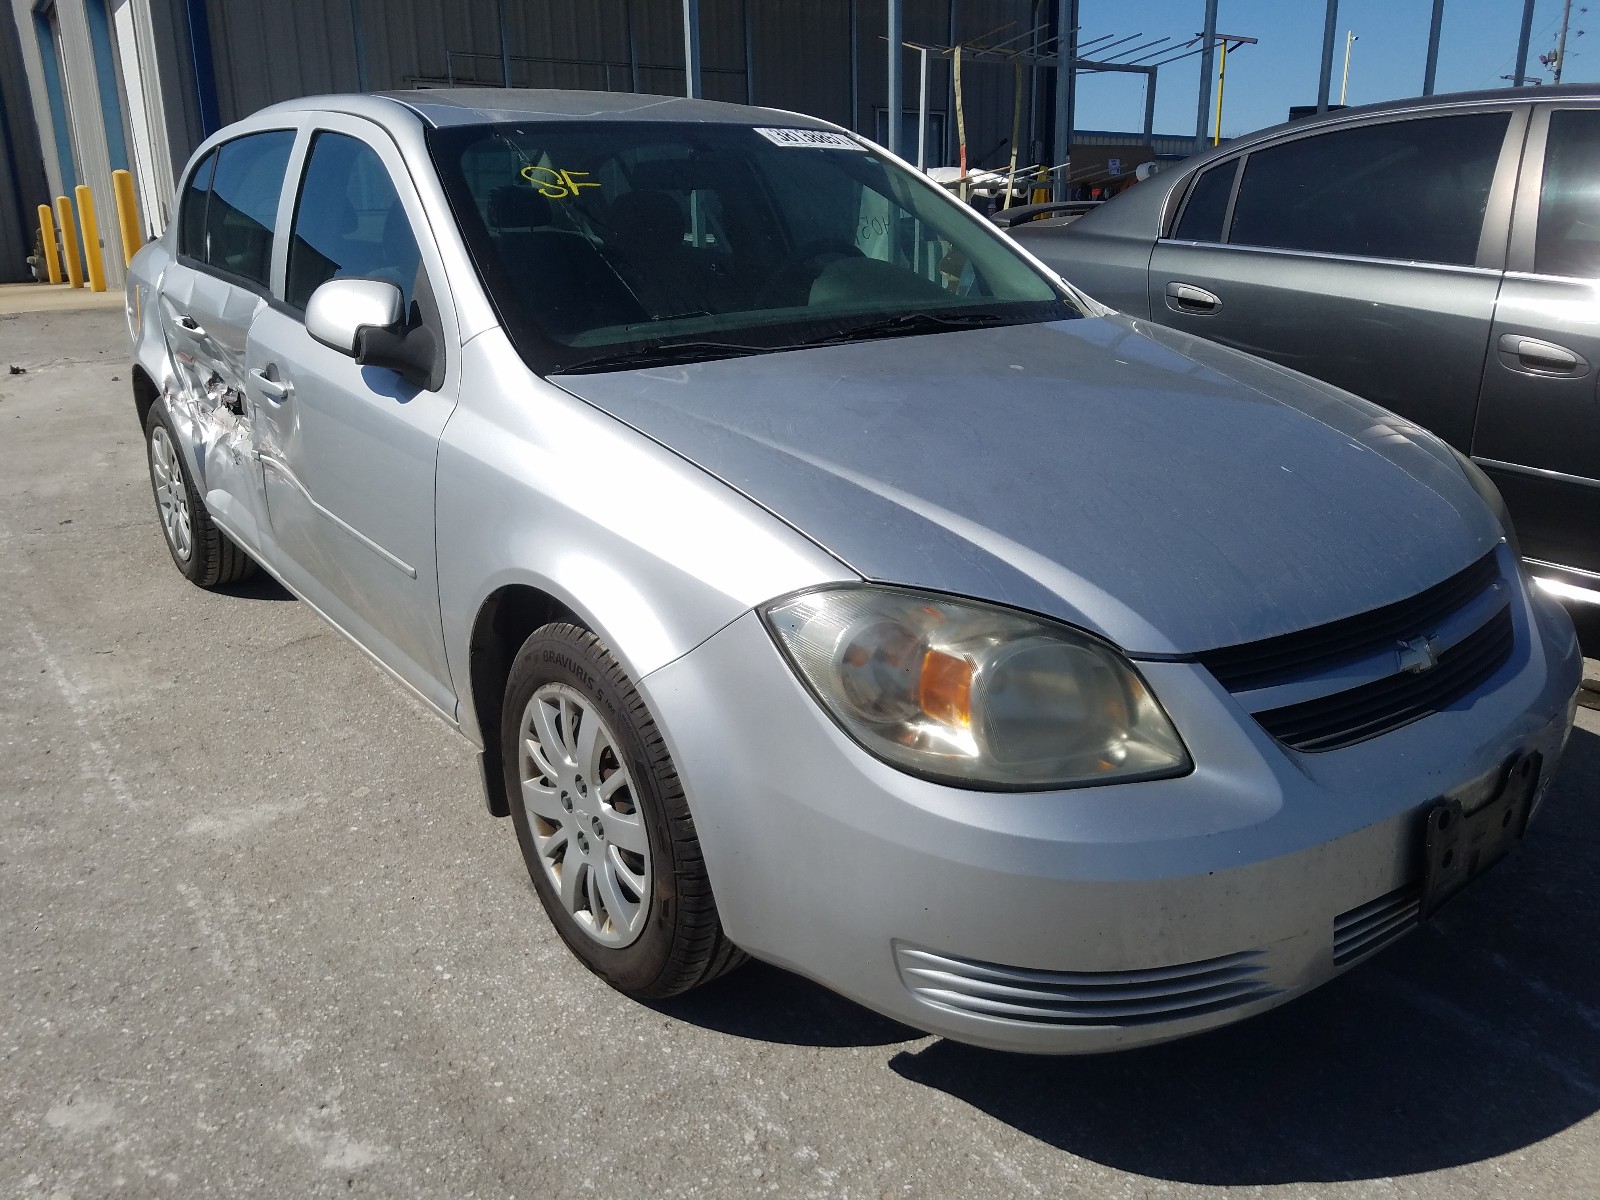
(1295,655)
(1377,923)
(1345,718)
(1106,999)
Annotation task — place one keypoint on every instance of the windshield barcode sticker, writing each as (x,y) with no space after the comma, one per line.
(819,138)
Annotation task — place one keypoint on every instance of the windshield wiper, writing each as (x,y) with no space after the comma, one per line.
(907,324)
(662,354)
(670,353)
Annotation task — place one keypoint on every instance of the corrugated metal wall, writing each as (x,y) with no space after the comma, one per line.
(800,53)
(22,180)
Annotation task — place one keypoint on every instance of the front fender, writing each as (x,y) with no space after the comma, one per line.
(538,488)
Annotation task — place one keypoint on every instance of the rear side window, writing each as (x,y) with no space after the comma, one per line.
(1568,241)
(1413,190)
(243,204)
(1207,205)
(348,222)
(192,210)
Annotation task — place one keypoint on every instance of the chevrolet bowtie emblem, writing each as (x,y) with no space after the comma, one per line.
(1418,655)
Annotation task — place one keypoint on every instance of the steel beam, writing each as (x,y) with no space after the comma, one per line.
(893,103)
(505,45)
(1066,89)
(1208,48)
(1329,29)
(691,49)
(1432,69)
(1522,43)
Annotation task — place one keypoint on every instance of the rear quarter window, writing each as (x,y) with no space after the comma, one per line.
(235,234)
(192,210)
(1207,205)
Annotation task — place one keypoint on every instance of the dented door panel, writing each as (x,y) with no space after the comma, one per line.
(206,321)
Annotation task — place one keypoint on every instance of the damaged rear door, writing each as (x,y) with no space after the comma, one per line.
(210,297)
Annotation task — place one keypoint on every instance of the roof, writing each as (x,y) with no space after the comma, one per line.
(1489,97)
(478,106)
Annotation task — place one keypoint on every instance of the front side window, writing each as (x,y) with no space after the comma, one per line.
(348,222)
(600,239)
(1413,190)
(1568,242)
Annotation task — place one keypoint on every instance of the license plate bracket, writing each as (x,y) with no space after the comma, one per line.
(1459,845)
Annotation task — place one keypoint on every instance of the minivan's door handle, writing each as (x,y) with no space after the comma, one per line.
(1543,358)
(1186,298)
(190,325)
(273,389)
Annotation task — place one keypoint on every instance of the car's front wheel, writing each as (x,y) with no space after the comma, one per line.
(603,823)
(199,549)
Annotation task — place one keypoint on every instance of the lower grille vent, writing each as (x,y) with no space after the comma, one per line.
(1087,998)
(1377,923)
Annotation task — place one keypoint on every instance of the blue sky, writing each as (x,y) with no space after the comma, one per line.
(1479,44)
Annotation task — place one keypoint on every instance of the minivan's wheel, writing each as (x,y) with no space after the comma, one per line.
(602,821)
(200,550)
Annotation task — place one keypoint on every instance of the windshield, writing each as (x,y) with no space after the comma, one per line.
(612,244)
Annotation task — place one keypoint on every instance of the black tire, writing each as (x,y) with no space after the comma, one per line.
(213,558)
(681,945)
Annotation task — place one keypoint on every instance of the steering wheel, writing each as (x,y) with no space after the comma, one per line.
(803,261)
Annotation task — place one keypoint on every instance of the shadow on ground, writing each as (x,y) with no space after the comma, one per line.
(769,1004)
(260,586)
(1477,1036)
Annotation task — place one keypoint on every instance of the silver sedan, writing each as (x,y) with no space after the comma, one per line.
(823,579)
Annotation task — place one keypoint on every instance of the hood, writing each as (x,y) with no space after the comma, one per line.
(1162,491)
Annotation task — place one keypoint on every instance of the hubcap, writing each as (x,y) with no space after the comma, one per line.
(172,498)
(584,814)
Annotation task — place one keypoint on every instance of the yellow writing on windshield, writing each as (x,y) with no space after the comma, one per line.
(556,184)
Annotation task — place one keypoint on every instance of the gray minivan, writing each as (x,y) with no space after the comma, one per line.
(1440,257)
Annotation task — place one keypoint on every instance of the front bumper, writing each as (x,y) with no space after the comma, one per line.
(1082,920)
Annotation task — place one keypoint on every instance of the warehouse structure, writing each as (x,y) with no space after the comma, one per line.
(137,84)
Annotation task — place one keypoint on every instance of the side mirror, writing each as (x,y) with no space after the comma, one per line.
(341,310)
(365,318)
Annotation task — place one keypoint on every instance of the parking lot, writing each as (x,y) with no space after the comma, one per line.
(258,937)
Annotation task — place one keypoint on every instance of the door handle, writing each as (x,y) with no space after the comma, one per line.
(1540,357)
(1186,298)
(276,390)
(190,325)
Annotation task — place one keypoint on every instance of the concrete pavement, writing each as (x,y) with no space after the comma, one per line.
(258,938)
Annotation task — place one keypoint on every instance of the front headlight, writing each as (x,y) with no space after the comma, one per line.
(964,693)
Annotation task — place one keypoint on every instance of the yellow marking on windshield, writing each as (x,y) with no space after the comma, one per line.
(555,184)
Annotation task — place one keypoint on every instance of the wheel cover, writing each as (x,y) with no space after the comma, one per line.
(583,811)
(172,497)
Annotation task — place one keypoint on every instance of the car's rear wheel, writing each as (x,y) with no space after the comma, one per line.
(603,823)
(199,549)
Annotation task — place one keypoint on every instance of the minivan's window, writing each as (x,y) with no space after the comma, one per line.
(608,244)
(1568,241)
(1207,205)
(243,204)
(348,222)
(192,210)
(1414,190)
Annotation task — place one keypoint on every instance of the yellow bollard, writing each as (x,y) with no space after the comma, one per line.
(91,239)
(127,215)
(47,228)
(69,241)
